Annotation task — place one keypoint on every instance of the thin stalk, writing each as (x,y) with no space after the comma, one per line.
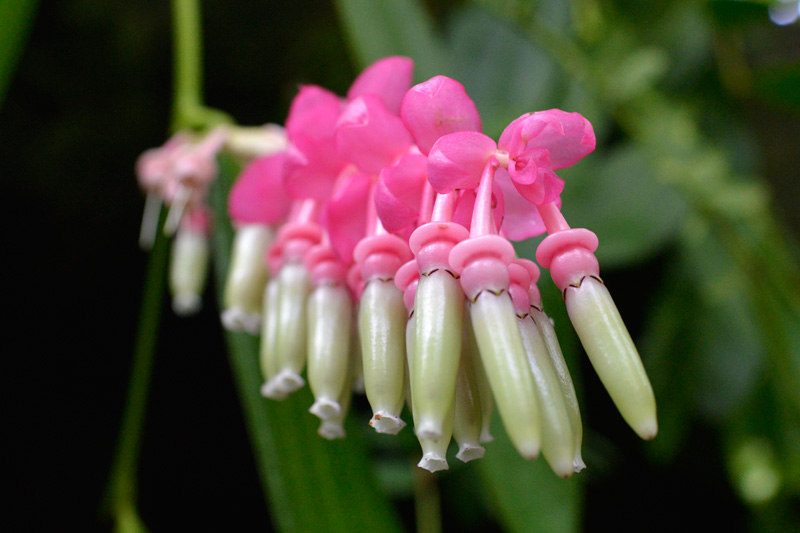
(427,508)
(121,491)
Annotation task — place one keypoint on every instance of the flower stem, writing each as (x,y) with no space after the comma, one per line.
(427,508)
(482,217)
(553,220)
(121,491)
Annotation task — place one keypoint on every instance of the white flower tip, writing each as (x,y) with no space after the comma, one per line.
(528,450)
(288,380)
(470,452)
(186,304)
(271,391)
(331,430)
(237,319)
(486,436)
(562,467)
(433,462)
(383,422)
(325,409)
(578,464)
(429,430)
(647,429)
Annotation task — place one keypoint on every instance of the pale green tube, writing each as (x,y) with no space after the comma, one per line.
(613,354)
(548,332)
(269,337)
(333,428)
(469,343)
(381,326)
(557,441)
(330,312)
(468,413)
(247,277)
(439,312)
(188,271)
(290,345)
(434,451)
(506,364)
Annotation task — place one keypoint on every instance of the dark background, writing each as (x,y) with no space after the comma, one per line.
(91,92)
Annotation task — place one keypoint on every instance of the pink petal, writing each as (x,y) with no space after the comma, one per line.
(369,136)
(456,160)
(311,128)
(309,99)
(524,168)
(437,107)
(521,219)
(345,215)
(389,78)
(567,136)
(505,138)
(399,191)
(545,189)
(258,196)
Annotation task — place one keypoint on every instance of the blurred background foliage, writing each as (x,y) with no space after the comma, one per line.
(692,192)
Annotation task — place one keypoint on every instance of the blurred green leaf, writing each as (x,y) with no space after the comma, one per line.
(738,14)
(620,199)
(312,484)
(527,494)
(16,18)
(779,85)
(729,343)
(399,27)
(504,73)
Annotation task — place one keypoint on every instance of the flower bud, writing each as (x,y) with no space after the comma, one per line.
(269,338)
(468,415)
(381,326)
(439,311)
(188,270)
(290,343)
(557,440)
(548,332)
(330,312)
(503,356)
(247,278)
(613,354)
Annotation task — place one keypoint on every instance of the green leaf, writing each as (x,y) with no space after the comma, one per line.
(621,200)
(16,17)
(312,484)
(396,27)
(504,73)
(527,494)
(779,85)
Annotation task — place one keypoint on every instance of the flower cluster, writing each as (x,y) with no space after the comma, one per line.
(374,252)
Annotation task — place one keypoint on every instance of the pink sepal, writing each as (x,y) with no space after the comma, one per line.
(521,219)
(324,266)
(456,160)
(293,241)
(399,191)
(518,286)
(369,135)
(389,78)
(345,215)
(438,107)
(533,273)
(568,137)
(153,166)
(381,255)
(355,282)
(258,196)
(482,262)
(431,244)
(569,256)
(406,279)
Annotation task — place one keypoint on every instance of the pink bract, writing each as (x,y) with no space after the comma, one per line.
(567,137)
(399,191)
(456,160)
(345,215)
(521,220)
(389,78)
(438,107)
(258,196)
(370,136)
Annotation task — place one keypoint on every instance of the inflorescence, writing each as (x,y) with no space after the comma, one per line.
(372,249)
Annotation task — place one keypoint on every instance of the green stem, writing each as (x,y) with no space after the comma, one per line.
(122,483)
(427,508)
